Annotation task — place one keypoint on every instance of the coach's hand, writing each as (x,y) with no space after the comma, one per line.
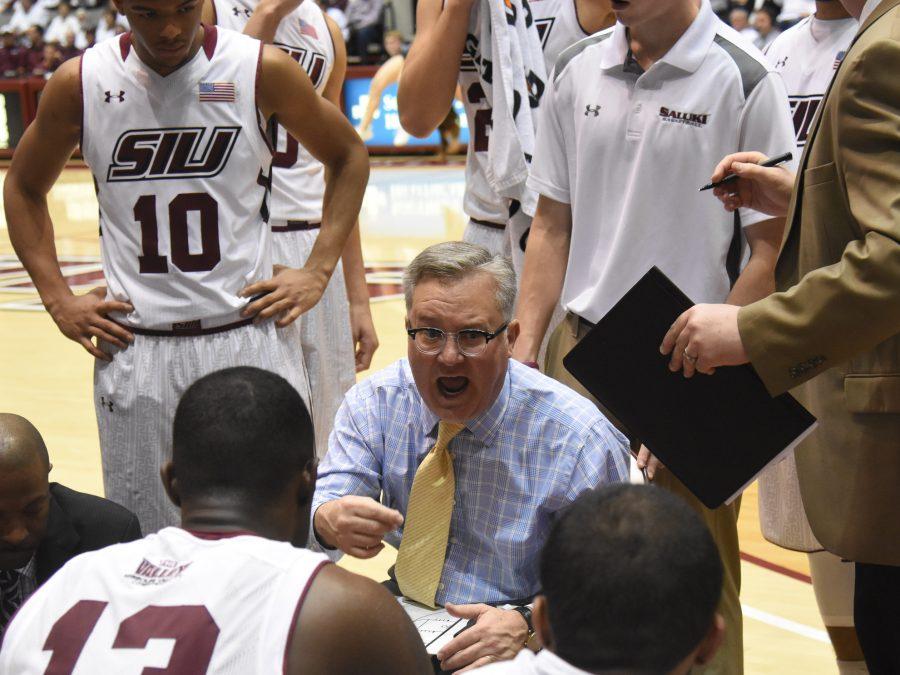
(498,635)
(704,338)
(83,317)
(365,340)
(355,525)
(764,189)
(289,292)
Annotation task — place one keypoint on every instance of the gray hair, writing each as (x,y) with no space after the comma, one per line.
(456,260)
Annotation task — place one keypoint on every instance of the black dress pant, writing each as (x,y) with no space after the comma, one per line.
(876,612)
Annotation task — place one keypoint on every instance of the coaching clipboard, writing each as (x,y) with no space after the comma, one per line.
(717,432)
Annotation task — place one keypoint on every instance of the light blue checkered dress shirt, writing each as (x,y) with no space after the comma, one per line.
(530,454)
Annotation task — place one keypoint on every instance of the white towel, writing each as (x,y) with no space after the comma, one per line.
(514,90)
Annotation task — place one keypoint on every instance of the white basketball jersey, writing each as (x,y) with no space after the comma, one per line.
(480,201)
(179,602)
(558,27)
(806,56)
(181,168)
(298,179)
(557,24)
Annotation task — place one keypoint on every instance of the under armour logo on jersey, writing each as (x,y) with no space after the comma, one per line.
(780,63)
(237,11)
(109,96)
(176,153)
(106,403)
(592,110)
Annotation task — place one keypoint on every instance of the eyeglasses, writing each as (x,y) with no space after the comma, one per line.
(469,341)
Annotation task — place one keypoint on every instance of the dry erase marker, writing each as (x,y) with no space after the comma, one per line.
(786,157)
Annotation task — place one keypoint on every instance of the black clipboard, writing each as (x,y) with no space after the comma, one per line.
(717,432)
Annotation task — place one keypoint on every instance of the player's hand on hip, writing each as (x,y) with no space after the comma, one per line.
(498,635)
(764,189)
(704,338)
(288,294)
(365,340)
(83,318)
(355,525)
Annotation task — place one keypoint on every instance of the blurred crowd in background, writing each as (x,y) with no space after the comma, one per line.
(38,35)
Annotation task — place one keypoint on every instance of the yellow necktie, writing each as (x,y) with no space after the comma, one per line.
(423,548)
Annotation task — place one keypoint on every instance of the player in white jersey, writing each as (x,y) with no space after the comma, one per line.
(169,117)
(341,319)
(228,592)
(445,53)
(806,56)
(562,23)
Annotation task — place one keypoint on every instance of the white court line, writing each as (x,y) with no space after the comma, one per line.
(786,624)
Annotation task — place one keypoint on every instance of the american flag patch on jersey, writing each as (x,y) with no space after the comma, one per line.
(217,92)
(307,28)
(839,58)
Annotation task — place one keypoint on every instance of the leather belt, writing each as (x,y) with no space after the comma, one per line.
(488,223)
(186,328)
(296,226)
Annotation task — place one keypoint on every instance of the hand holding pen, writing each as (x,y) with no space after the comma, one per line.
(750,180)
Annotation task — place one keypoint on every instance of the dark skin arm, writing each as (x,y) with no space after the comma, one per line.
(286,92)
(38,161)
(350,625)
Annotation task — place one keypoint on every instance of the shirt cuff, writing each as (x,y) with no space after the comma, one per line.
(548,189)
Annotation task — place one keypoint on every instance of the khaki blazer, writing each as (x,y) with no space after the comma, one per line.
(835,327)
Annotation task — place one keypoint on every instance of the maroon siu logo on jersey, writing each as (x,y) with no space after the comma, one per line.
(804,109)
(311,61)
(154,574)
(175,153)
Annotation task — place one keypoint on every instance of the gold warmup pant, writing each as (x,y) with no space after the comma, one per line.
(722,522)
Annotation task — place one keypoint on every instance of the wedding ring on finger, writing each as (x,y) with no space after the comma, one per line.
(692,359)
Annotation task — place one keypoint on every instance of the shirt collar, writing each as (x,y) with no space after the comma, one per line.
(28,569)
(686,54)
(548,662)
(867,10)
(484,427)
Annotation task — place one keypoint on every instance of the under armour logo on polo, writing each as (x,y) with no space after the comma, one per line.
(120,97)
(780,63)
(592,110)
(106,403)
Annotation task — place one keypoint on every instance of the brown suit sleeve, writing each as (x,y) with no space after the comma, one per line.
(840,310)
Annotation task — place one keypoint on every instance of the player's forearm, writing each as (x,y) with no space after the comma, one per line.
(31,234)
(541,285)
(431,70)
(345,185)
(354,270)
(757,280)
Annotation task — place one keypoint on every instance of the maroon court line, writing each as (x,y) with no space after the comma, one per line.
(774,567)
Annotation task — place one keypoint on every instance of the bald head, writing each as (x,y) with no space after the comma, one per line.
(24,491)
(20,443)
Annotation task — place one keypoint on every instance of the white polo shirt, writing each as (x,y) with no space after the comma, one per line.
(629,149)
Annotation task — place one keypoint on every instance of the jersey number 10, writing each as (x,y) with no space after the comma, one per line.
(151,262)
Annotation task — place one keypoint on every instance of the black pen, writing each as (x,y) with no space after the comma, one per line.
(469,624)
(786,157)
